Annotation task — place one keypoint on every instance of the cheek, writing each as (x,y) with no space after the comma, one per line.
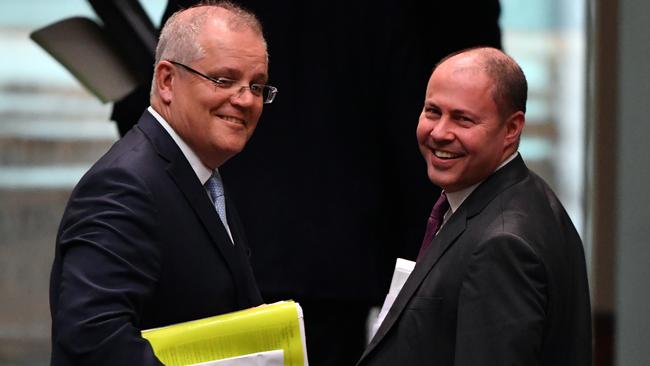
(255,116)
(475,141)
(422,131)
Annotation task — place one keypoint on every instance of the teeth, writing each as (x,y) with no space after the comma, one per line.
(232,119)
(445,154)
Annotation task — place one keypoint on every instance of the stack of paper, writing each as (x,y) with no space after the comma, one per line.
(251,332)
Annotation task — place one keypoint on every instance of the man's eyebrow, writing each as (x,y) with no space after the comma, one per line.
(453,112)
(224,71)
(263,78)
(463,112)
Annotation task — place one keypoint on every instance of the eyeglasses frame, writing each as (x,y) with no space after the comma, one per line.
(220,81)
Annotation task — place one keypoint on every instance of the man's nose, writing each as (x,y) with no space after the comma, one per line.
(243,96)
(442,129)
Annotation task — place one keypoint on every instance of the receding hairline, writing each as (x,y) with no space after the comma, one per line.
(234,16)
(223,18)
(509,89)
(480,54)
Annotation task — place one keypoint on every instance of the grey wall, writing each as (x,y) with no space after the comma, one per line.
(633,184)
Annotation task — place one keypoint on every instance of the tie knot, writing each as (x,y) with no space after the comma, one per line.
(435,221)
(214,185)
(440,207)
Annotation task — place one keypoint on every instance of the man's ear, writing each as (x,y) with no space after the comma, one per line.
(514,125)
(164,80)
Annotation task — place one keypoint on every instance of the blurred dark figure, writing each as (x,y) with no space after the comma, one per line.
(332,189)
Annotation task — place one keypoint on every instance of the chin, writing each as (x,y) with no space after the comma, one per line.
(234,148)
(435,179)
(439,180)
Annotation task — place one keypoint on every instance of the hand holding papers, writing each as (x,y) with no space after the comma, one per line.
(277,326)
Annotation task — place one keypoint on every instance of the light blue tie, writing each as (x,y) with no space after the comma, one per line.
(214,185)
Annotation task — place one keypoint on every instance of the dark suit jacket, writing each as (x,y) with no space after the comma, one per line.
(503,283)
(140,246)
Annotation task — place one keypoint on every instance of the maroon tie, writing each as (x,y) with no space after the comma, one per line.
(435,220)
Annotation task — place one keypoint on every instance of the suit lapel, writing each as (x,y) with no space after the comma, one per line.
(233,220)
(248,294)
(187,182)
(510,174)
(441,242)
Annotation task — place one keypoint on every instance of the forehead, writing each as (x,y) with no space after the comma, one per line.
(462,68)
(222,44)
(459,80)
(460,84)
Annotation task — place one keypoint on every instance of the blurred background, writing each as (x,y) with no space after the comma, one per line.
(589,92)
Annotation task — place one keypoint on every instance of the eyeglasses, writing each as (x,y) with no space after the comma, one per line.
(266,92)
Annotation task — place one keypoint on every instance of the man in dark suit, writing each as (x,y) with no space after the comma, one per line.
(503,282)
(142,242)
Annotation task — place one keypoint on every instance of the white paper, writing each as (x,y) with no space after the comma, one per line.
(403,269)
(268,358)
(303,339)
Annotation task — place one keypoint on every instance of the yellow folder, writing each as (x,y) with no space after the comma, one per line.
(277,326)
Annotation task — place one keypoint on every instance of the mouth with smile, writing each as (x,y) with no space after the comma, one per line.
(232,119)
(445,155)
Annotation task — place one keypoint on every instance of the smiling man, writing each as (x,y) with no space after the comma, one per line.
(150,237)
(501,276)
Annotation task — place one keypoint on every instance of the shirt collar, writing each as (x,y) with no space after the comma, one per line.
(455,199)
(202,172)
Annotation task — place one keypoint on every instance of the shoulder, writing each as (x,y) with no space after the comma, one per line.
(522,225)
(522,207)
(505,247)
(131,161)
(122,180)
